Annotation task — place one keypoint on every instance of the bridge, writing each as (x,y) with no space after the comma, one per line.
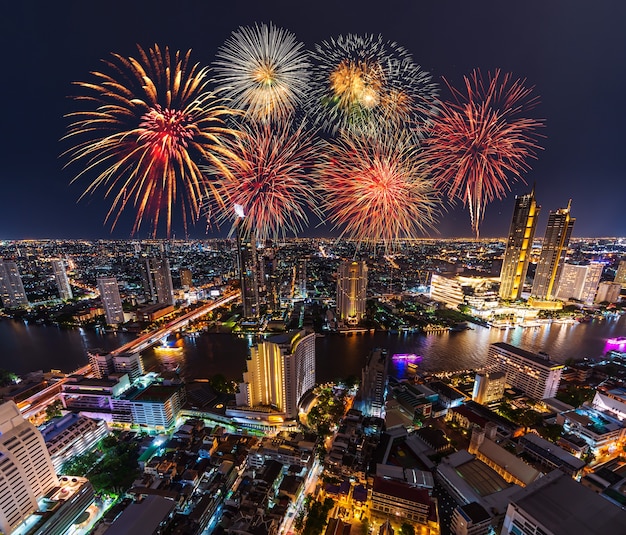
(154,337)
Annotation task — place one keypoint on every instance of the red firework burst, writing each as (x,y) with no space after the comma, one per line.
(270,179)
(146,126)
(481,140)
(377,189)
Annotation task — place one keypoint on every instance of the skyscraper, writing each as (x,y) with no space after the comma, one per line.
(60,277)
(158,280)
(186,278)
(12,292)
(111,300)
(26,471)
(280,371)
(351,292)
(248,271)
(518,246)
(553,251)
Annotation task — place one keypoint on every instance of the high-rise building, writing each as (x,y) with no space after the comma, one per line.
(12,292)
(620,274)
(608,292)
(373,392)
(488,387)
(579,282)
(553,251)
(518,246)
(535,374)
(351,291)
(158,280)
(60,277)
(247,258)
(111,300)
(26,470)
(186,279)
(280,371)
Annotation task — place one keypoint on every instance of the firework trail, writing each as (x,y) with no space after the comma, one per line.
(145,125)
(481,140)
(269,180)
(361,84)
(263,70)
(377,189)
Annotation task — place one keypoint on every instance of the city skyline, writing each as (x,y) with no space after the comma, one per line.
(566,51)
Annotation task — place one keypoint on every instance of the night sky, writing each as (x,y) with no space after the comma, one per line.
(572,51)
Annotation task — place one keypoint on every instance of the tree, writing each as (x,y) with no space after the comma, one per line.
(407,529)
(53,410)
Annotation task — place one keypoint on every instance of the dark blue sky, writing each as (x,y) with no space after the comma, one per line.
(572,51)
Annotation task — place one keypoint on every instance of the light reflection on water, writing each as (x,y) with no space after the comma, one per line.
(24,348)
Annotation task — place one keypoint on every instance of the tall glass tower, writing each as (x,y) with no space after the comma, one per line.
(248,264)
(553,251)
(519,246)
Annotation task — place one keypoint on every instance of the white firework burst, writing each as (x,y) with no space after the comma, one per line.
(263,70)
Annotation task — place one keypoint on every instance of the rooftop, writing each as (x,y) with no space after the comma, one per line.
(543,360)
(401,490)
(143,517)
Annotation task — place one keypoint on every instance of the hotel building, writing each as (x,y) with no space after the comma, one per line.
(351,292)
(111,300)
(532,373)
(12,294)
(60,277)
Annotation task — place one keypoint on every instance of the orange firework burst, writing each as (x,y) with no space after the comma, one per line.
(146,126)
(377,189)
(269,179)
(481,140)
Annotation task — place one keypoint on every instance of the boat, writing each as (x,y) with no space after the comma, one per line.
(618,341)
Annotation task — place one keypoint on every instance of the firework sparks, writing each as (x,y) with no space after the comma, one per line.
(146,125)
(269,179)
(377,189)
(361,84)
(264,71)
(481,140)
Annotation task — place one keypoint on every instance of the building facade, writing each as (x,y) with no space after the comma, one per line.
(532,373)
(248,264)
(620,274)
(158,280)
(488,387)
(553,251)
(111,300)
(579,282)
(60,277)
(280,371)
(12,294)
(519,246)
(373,391)
(608,292)
(351,292)
(26,470)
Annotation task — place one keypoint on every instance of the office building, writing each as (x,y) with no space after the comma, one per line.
(600,429)
(351,292)
(608,292)
(60,277)
(12,294)
(157,406)
(488,387)
(111,300)
(579,282)
(401,501)
(280,371)
(550,455)
(553,251)
(373,391)
(26,470)
(470,519)
(535,374)
(620,274)
(519,246)
(557,505)
(248,264)
(158,280)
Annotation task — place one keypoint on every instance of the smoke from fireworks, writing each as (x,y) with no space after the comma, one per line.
(146,125)
(361,84)
(481,140)
(264,71)
(377,189)
(269,180)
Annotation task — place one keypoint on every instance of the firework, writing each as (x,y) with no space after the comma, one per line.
(361,84)
(268,181)
(264,71)
(377,188)
(145,126)
(481,140)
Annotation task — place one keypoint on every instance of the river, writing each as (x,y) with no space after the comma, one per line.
(25,348)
